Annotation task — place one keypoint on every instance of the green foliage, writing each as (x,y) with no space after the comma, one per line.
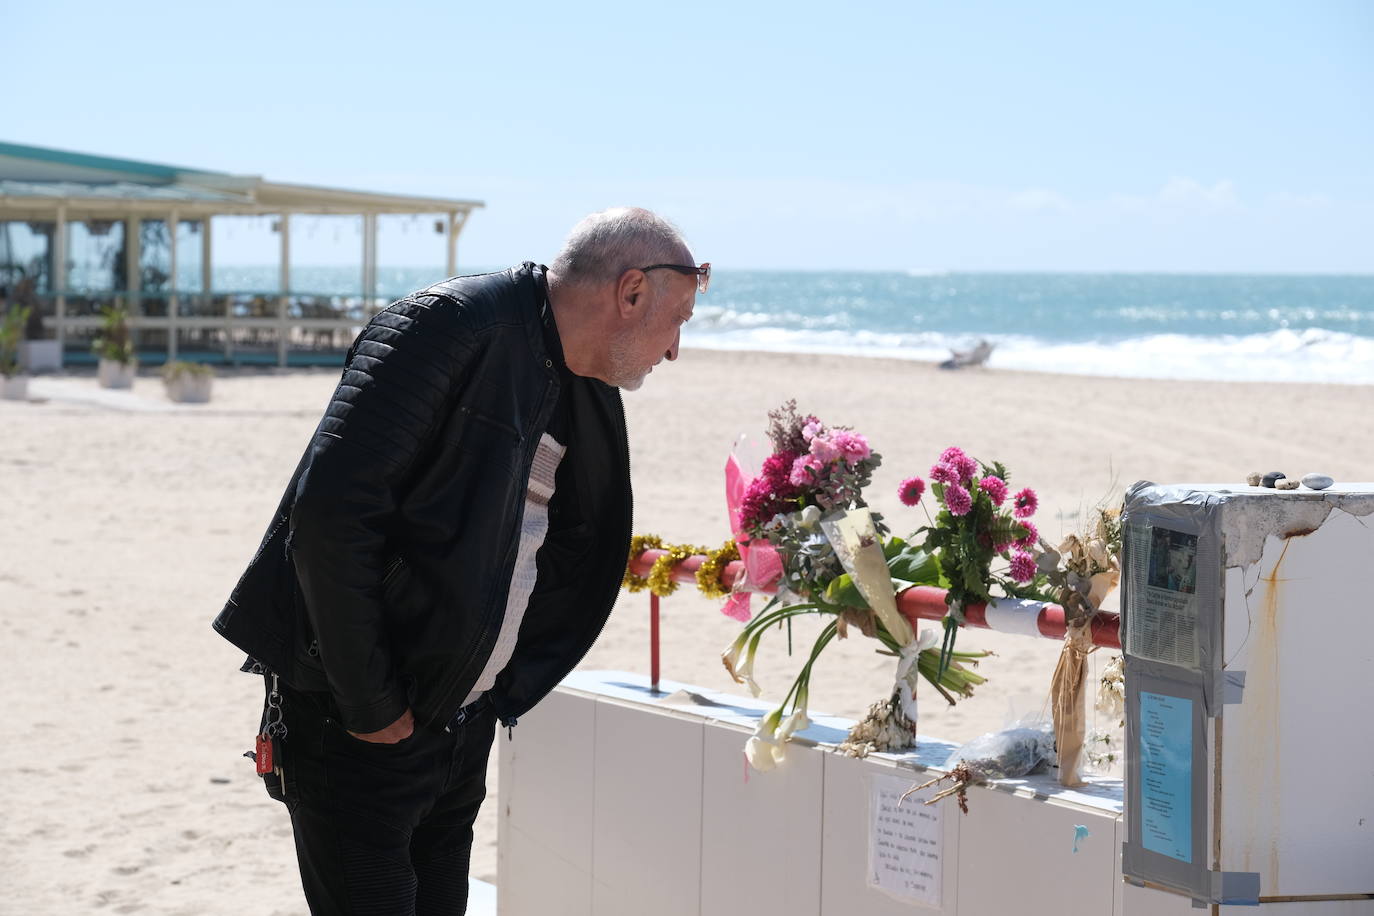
(906,564)
(113,342)
(966,547)
(12,325)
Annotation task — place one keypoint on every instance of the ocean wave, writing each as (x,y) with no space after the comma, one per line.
(1285,355)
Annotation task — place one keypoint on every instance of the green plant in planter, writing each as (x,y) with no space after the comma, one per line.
(12,325)
(177,369)
(113,342)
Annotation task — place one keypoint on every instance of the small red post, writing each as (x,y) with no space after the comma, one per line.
(653,642)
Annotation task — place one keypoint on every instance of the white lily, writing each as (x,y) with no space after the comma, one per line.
(744,674)
(730,657)
(763,750)
(797,722)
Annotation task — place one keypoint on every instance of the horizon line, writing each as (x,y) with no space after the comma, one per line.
(914,272)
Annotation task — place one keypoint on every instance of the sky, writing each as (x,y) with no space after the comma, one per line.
(1170,136)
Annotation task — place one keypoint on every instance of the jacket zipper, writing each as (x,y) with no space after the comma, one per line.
(488,638)
(510,723)
(391,570)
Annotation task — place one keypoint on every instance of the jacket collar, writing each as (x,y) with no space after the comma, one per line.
(552,342)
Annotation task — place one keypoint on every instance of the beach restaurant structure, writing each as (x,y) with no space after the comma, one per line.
(149,226)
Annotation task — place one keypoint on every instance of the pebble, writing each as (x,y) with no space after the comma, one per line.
(1286,484)
(1317,481)
(1271,478)
(1253,478)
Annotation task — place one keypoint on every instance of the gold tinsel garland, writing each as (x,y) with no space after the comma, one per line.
(708,574)
(661,575)
(660,582)
(638,544)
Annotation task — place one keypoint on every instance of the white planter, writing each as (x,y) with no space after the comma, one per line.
(14,387)
(190,389)
(40,356)
(116,374)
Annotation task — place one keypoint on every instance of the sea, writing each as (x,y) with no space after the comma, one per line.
(1231,327)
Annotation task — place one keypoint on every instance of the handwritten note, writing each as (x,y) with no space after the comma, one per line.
(906,841)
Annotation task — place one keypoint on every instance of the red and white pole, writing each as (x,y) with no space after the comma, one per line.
(920,602)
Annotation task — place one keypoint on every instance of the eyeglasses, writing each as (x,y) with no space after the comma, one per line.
(703,273)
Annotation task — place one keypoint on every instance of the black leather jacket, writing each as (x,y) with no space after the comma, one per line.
(384,574)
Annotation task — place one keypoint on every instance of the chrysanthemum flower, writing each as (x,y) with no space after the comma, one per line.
(911,491)
(951,455)
(964,466)
(943,473)
(995,487)
(1026,503)
(1022,567)
(957,500)
(1031,537)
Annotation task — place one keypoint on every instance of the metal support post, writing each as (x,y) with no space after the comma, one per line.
(284,301)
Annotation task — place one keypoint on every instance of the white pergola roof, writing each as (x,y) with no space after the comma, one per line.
(35,181)
(46,185)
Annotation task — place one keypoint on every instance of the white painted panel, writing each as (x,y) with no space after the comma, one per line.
(646,829)
(844,845)
(1013,849)
(761,853)
(1313,908)
(1146,901)
(537,883)
(1118,904)
(1297,806)
(544,825)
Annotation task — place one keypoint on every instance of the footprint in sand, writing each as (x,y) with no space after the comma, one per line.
(81,853)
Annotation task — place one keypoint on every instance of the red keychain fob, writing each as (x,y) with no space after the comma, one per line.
(263,757)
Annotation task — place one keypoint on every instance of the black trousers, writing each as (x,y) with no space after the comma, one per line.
(381,829)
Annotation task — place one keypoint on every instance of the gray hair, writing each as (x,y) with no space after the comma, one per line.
(606,244)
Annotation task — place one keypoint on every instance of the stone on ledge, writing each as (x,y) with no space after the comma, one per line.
(1317,481)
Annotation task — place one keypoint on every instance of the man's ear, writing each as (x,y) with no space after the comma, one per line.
(630,292)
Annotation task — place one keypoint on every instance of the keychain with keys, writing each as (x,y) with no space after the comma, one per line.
(267,757)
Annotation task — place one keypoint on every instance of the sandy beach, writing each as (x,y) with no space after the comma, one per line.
(125,522)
